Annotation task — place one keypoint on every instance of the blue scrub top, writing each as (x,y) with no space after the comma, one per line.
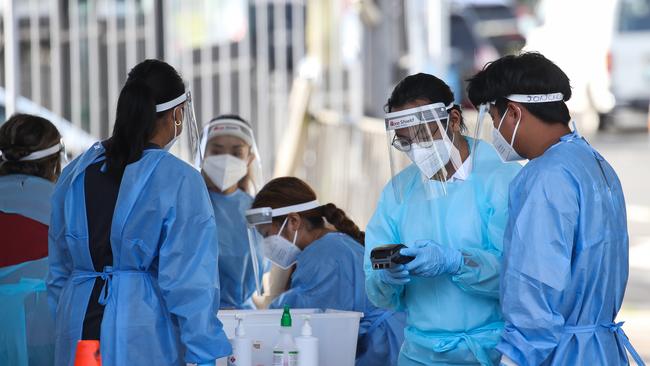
(565,260)
(329,275)
(452,319)
(27,327)
(26,195)
(236,273)
(162,292)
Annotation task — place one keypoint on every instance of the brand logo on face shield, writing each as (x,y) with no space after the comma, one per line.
(544,98)
(225,128)
(396,123)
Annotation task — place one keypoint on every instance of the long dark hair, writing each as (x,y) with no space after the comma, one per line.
(149,83)
(422,86)
(23,134)
(287,191)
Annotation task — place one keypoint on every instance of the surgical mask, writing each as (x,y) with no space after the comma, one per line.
(281,251)
(175,138)
(505,150)
(224,170)
(430,159)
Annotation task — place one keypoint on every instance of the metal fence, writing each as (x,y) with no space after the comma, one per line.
(237,56)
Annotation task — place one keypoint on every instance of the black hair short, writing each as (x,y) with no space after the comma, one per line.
(422,86)
(527,73)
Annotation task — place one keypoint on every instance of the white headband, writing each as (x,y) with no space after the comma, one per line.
(295,208)
(40,154)
(536,98)
(172,103)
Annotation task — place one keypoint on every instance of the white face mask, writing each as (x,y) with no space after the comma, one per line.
(281,251)
(430,159)
(503,148)
(224,170)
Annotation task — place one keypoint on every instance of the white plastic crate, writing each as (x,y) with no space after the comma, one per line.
(336,331)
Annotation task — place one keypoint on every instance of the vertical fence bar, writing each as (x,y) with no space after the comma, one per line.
(35,51)
(112,64)
(94,70)
(244,62)
(150,38)
(131,38)
(55,58)
(75,62)
(207,89)
(298,33)
(280,71)
(262,83)
(12,57)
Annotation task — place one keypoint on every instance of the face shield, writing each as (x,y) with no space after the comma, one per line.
(227,162)
(423,146)
(505,147)
(184,121)
(282,255)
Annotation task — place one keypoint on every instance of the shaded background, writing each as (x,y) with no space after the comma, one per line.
(313,77)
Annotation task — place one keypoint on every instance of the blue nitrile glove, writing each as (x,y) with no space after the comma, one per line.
(432,259)
(211,363)
(397,275)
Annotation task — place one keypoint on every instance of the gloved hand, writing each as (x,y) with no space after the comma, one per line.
(211,363)
(432,259)
(397,275)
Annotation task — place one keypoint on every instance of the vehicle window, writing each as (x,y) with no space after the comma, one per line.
(634,16)
(461,34)
(493,12)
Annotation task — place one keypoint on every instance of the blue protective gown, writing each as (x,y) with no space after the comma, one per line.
(27,326)
(452,319)
(329,275)
(26,195)
(162,292)
(236,274)
(565,260)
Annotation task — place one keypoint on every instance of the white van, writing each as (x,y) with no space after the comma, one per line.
(629,62)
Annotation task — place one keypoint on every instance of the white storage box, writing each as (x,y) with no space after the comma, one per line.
(337,333)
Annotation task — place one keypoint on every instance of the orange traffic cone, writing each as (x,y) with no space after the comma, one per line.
(88,354)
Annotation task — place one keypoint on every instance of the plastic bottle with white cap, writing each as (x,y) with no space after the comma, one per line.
(307,345)
(242,346)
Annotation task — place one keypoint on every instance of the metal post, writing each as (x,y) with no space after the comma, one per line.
(55,58)
(207,72)
(92,32)
(262,81)
(131,36)
(159,14)
(12,64)
(439,36)
(75,62)
(112,64)
(35,50)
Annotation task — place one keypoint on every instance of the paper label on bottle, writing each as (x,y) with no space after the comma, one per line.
(285,359)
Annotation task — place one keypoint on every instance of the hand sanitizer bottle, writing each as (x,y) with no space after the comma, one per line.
(307,345)
(285,352)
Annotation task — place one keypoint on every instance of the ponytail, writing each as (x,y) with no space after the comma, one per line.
(342,222)
(134,125)
(149,83)
(287,191)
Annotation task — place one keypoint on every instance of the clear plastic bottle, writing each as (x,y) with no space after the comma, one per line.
(307,346)
(242,346)
(285,352)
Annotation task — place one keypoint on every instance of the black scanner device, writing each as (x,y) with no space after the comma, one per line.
(388,256)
